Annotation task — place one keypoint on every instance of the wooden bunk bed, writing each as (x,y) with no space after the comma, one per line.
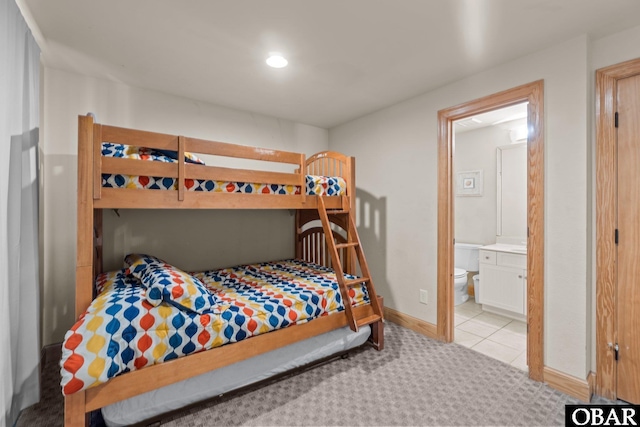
(333,243)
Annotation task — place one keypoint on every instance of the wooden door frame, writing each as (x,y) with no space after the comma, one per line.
(606,189)
(534,94)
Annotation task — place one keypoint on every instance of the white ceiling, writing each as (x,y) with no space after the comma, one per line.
(346,58)
(507,118)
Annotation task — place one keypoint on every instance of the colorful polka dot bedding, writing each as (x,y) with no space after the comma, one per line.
(124,330)
(164,282)
(315,185)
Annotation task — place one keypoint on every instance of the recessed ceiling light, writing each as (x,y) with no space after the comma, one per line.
(276,60)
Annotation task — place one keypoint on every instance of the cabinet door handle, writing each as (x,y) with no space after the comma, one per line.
(519,276)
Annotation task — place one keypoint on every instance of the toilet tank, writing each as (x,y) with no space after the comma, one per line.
(467,256)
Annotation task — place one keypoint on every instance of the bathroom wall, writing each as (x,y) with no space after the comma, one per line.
(475,216)
(511,194)
(190,239)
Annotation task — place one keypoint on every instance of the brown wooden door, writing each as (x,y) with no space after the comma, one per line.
(628,286)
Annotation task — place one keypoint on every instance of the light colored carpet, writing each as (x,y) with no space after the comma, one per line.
(414,381)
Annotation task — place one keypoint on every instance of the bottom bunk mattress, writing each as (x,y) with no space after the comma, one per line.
(232,377)
(153,312)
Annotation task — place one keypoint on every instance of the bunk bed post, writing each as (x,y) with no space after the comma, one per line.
(298,242)
(377,329)
(181,165)
(96,161)
(302,170)
(97,227)
(303,177)
(351,192)
(85,235)
(351,189)
(74,410)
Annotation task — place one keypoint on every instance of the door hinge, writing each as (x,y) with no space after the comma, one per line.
(616,119)
(616,351)
(616,236)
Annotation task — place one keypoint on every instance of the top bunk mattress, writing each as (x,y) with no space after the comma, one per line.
(122,331)
(315,185)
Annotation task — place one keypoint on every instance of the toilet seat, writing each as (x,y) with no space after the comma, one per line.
(459,273)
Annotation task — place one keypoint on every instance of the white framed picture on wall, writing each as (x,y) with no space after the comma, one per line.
(469,183)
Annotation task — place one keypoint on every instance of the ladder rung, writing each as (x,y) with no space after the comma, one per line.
(367,320)
(346,245)
(354,282)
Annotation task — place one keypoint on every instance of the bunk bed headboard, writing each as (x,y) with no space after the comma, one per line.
(310,243)
(331,163)
(313,247)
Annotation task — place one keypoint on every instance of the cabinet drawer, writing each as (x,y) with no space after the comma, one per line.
(512,260)
(488,257)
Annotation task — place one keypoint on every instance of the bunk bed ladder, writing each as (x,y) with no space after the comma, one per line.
(354,247)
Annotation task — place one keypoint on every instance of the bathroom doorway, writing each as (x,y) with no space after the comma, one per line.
(533,94)
(490,229)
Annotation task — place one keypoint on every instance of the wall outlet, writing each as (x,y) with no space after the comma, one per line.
(423,296)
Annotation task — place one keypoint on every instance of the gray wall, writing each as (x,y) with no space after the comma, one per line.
(397,151)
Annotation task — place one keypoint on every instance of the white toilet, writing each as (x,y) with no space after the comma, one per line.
(467,258)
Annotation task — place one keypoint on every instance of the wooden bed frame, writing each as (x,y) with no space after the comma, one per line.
(341,250)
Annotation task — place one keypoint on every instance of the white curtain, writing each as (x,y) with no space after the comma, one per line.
(19,289)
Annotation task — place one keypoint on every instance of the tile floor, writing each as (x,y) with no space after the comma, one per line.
(496,336)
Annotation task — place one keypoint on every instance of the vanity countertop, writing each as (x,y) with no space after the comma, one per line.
(503,247)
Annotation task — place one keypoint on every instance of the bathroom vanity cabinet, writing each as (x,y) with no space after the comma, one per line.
(503,279)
